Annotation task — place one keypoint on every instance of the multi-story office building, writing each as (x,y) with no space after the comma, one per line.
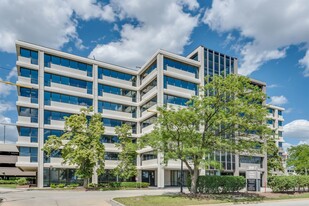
(53,84)
(275,122)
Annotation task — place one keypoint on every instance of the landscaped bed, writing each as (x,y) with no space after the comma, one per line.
(185,199)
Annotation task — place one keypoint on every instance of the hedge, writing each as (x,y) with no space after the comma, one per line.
(219,184)
(288,183)
(117,185)
(7,181)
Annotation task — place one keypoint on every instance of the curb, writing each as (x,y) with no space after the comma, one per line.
(115,203)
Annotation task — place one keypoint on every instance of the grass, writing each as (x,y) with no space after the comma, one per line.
(183,200)
(8,185)
(163,200)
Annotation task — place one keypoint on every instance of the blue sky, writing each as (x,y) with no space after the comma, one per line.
(271,44)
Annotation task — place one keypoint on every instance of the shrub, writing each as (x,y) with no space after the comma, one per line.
(114,184)
(288,183)
(134,184)
(73,185)
(92,185)
(8,181)
(61,185)
(22,181)
(219,184)
(53,186)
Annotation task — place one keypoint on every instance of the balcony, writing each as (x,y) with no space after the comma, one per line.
(117,81)
(150,163)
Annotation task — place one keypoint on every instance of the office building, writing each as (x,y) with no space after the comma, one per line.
(54,84)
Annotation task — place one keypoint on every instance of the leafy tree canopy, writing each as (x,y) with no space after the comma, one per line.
(127,156)
(227,115)
(80,143)
(299,158)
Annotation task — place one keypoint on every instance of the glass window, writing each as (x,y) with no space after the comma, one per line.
(24,52)
(65,62)
(65,80)
(25,72)
(56,78)
(55,60)
(280,123)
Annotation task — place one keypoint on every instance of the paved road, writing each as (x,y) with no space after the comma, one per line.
(14,197)
(71,198)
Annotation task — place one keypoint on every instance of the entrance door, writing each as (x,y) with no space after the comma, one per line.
(148,176)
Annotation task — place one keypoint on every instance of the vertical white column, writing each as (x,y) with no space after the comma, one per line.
(201,58)
(138,164)
(160,87)
(236,171)
(95,107)
(138,108)
(40,175)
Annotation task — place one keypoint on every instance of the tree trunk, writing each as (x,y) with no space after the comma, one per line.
(194,181)
(85,182)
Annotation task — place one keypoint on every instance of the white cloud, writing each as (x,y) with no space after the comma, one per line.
(272,86)
(278,100)
(12,74)
(163,24)
(288,110)
(304,62)
(297,129)
(269,31)
(10,131)
(51,23)
(286,146)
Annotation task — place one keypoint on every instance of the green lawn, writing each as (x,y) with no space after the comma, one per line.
(163,200)
(175,200)
(8,185)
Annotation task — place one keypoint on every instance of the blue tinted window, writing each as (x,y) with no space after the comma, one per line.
(270,121)
(279,113)
(116,90)
(67,81)
(149,104)
(181,66)
(116,107)
(67,63)
(24,52)
(66,99)
(49,132)
(53,115)
(56,60)
(116,74)
(29,151)
(175,100)
(280,123)
(109,139)
(113,123)
(33,74)
(180,83)
(148,121)
(149,87)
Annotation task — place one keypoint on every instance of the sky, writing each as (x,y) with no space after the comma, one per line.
(269,38)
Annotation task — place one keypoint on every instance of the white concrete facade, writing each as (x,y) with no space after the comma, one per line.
(275,115)
(166,78)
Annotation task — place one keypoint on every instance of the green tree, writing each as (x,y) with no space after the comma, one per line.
(127,156)
(80,144)
(299,158)
(230,117)
(274,160)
